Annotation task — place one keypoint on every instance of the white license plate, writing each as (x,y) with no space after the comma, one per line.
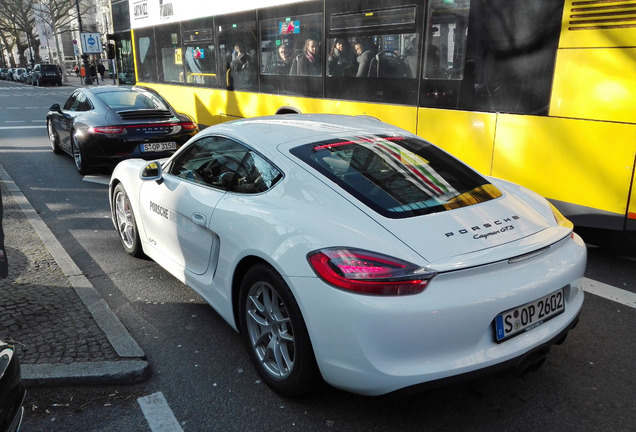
(153,147)
(528,316)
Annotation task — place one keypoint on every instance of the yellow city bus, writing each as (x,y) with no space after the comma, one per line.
(538,92)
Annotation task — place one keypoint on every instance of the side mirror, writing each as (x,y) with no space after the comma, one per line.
(56,108)
(152,171)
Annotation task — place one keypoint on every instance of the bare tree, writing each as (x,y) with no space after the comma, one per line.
(18,20)
(58,16)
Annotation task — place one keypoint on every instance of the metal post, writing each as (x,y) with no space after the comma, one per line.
(87,73)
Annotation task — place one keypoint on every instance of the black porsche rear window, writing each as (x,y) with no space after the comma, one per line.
(126,100)
(397,176)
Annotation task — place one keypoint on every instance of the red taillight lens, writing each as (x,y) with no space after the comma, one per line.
(112,130)
(188,125)
(369,272)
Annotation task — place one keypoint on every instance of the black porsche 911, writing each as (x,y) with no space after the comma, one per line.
(101,126)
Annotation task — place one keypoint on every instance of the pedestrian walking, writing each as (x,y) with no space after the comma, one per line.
(77,70)
(93,73)
(101,69)
(4,264)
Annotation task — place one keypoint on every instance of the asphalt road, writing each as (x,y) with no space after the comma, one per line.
(202,379)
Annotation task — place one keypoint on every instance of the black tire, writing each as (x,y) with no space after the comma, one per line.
(292,370)
(53,138)
(78,156)
(126,223)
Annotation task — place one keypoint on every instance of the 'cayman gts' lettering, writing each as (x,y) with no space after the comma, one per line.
(484,231)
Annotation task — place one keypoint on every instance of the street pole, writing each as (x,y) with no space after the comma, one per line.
(87,73)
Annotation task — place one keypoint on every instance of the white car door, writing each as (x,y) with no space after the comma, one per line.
(176,212)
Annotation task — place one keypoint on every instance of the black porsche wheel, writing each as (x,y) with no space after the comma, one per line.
(53,139)
(78,157)
(126,223)
(275,333)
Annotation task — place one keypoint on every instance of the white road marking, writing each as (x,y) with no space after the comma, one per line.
(610,292)
(23,127)
(158,413)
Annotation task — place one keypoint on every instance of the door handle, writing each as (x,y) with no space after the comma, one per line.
(199,219)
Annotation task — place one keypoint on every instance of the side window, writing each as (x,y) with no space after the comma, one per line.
(146,56)
(211,161)
(84,103)
(237,54)
(224,164)
(72,102)
(291,45)
(372,53)
(255,175)
(199,56)
(491,56)
(446,36)
(169,53)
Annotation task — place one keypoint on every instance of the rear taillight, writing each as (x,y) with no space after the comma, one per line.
(112,130)
(369,272)
(188,125)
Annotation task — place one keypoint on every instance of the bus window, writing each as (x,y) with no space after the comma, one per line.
(291,52)
(445,49)
(170,55)
(373,52)
(237,54)
(499,57)
(376,56)
(146,56)
(199,56)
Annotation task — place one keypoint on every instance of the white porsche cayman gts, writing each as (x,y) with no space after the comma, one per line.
(347,249)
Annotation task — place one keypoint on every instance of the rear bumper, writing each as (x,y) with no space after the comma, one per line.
(108,152)
(376,345)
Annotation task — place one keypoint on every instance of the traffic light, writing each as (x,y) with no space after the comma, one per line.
(110,54)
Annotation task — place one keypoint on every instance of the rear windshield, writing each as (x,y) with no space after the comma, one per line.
(397,176)
(126,100)
(49,68)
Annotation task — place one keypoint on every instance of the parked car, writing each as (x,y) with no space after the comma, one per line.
(16,74)
(46,74)
(9,75)
(25,75)
(103,125)
(349,249)
(3,73)
(12,391)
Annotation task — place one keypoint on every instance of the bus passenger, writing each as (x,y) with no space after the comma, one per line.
(281,65)
(365,51)
(243,68)
(339,61)
(307,62)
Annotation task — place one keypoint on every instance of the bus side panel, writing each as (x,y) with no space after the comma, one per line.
(586,163)
(467,135)
(598,84)
(212,106)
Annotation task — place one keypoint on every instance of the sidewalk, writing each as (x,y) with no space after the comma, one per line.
(72,80)
(64,332)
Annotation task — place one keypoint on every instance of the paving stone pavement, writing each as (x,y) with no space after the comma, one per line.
(64,333)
